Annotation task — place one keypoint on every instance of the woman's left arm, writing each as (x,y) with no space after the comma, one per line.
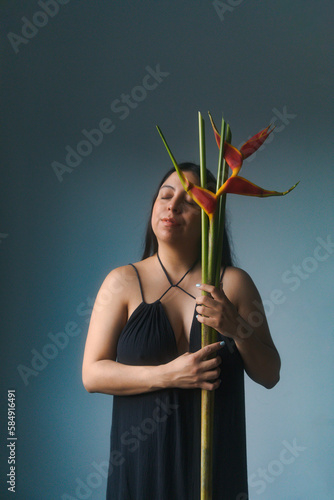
(238,313)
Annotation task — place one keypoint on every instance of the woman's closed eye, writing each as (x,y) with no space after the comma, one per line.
(168,194)
(185,200)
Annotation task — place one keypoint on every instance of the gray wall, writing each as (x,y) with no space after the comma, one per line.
(63,228)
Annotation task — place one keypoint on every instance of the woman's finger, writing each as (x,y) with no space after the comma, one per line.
(207,386)
(202,310)
(206,320)
(216,293)
(208,350)
(211,374)
(205,300)
(211,364)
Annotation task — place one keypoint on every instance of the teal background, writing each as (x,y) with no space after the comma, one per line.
(254,61)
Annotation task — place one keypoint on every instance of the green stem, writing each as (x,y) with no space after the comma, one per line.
(177,168)
(206,444)
(221,178)
(221,154)
(209,335)
(214,255)
(204,217)
(206,338)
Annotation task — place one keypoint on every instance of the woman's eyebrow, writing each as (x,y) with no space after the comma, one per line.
(168,186)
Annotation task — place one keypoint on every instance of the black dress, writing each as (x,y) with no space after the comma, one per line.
(155,436)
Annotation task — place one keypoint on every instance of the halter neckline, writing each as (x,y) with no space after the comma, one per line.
(176,285)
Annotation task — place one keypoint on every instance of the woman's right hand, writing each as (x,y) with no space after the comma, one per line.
(192,370)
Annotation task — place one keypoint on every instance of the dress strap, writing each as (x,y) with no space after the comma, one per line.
(222,274)
(176,285)
(141,289)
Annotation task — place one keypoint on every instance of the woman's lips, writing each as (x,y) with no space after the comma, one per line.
(170,221)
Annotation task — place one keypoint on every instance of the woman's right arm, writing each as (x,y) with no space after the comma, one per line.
(100,371)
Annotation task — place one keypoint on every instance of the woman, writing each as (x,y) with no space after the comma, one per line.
(147,317)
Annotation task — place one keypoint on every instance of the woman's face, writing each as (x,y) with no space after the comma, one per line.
(176,218)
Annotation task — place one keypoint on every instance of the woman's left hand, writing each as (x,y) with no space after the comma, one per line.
(218,312)
(244,321)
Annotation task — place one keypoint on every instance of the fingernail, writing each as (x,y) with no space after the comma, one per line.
(222,343)
(197,316)
(198,284)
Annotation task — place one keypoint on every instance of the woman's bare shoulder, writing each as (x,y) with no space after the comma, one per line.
(145,267)
(119,281)
(145,263)
(235,274)
(238,285)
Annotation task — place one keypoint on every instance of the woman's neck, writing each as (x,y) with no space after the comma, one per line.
(175,260)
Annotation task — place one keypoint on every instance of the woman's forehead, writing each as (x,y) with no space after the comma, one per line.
(174,181)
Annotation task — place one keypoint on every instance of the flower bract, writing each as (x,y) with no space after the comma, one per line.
(235,184)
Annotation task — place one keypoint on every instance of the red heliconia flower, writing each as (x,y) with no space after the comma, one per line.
(235,184)
(235,157)
(239,185)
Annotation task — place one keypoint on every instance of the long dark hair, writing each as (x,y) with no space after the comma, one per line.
(151,243)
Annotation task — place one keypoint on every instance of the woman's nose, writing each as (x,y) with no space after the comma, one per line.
(174,205)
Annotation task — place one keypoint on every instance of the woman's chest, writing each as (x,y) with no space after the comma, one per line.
(158,332)
(180,311)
